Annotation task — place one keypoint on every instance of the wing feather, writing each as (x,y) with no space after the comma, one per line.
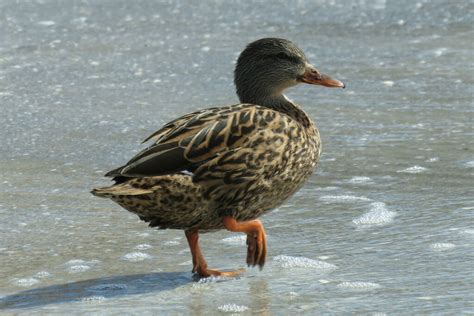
(189,141)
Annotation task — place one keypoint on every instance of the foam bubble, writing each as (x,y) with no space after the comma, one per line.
(388,83)
(172,243)
(235,240)
(440,51)
(378,215)
(441,246)
(302,262)
(46,23)
(136,256)
(343,198)
(93,299)
(232,308)
(414,169)
(469,164)
(78,268)
(358,285)
(26,282)
(432,159)
(42,274)
(468,231)
(75,261)
(143,247)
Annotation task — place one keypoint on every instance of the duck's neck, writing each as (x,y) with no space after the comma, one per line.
(282,104)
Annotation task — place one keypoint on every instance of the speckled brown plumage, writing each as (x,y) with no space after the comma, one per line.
(246,160)
(233,162)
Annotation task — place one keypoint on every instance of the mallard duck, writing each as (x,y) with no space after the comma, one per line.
(224,167)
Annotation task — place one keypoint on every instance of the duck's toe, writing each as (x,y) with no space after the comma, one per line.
(257,248)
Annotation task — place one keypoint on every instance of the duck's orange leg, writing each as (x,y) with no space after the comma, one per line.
(199,263)
(256,239)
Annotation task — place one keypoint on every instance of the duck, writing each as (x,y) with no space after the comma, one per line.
(224,167)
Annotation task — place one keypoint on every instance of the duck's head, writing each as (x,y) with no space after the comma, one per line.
(270,65)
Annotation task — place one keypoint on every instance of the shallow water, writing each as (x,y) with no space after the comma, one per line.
(385,226)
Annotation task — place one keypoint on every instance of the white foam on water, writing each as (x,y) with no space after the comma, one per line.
(93,299)
(440,51)
(78,268)
(433,159)
(378,215)
(136,256)
(414,169)
(388,83)
(285,261)
(358,285)
(75,261)
(232,308)
(425,298)
(469,164)
(172,243)
(442,246)
(239,240)
(359,180)
(143,247)
(43,274)
(26,282)
(79,265)
(343,198)
(467,231)
(330,188)
(186,263)
(109,287)
(46,23)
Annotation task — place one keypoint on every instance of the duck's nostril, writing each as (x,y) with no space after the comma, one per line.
(316,74)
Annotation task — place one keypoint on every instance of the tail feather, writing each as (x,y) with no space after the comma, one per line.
(119,190)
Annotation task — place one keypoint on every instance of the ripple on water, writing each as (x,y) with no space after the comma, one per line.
(232,308)
(359,180)
(343,198)
(414,169)
(302,262)
(136,256)
(378,215)
(358,285)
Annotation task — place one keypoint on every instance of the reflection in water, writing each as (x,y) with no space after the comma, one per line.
(260,296)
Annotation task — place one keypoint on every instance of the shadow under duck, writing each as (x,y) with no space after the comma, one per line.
(223,167)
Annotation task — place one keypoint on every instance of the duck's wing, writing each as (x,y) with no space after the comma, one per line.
(186,124)
(189,141)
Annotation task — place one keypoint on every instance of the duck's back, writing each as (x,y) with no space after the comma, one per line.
(240,160)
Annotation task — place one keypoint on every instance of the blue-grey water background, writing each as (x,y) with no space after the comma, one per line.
(385,226)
